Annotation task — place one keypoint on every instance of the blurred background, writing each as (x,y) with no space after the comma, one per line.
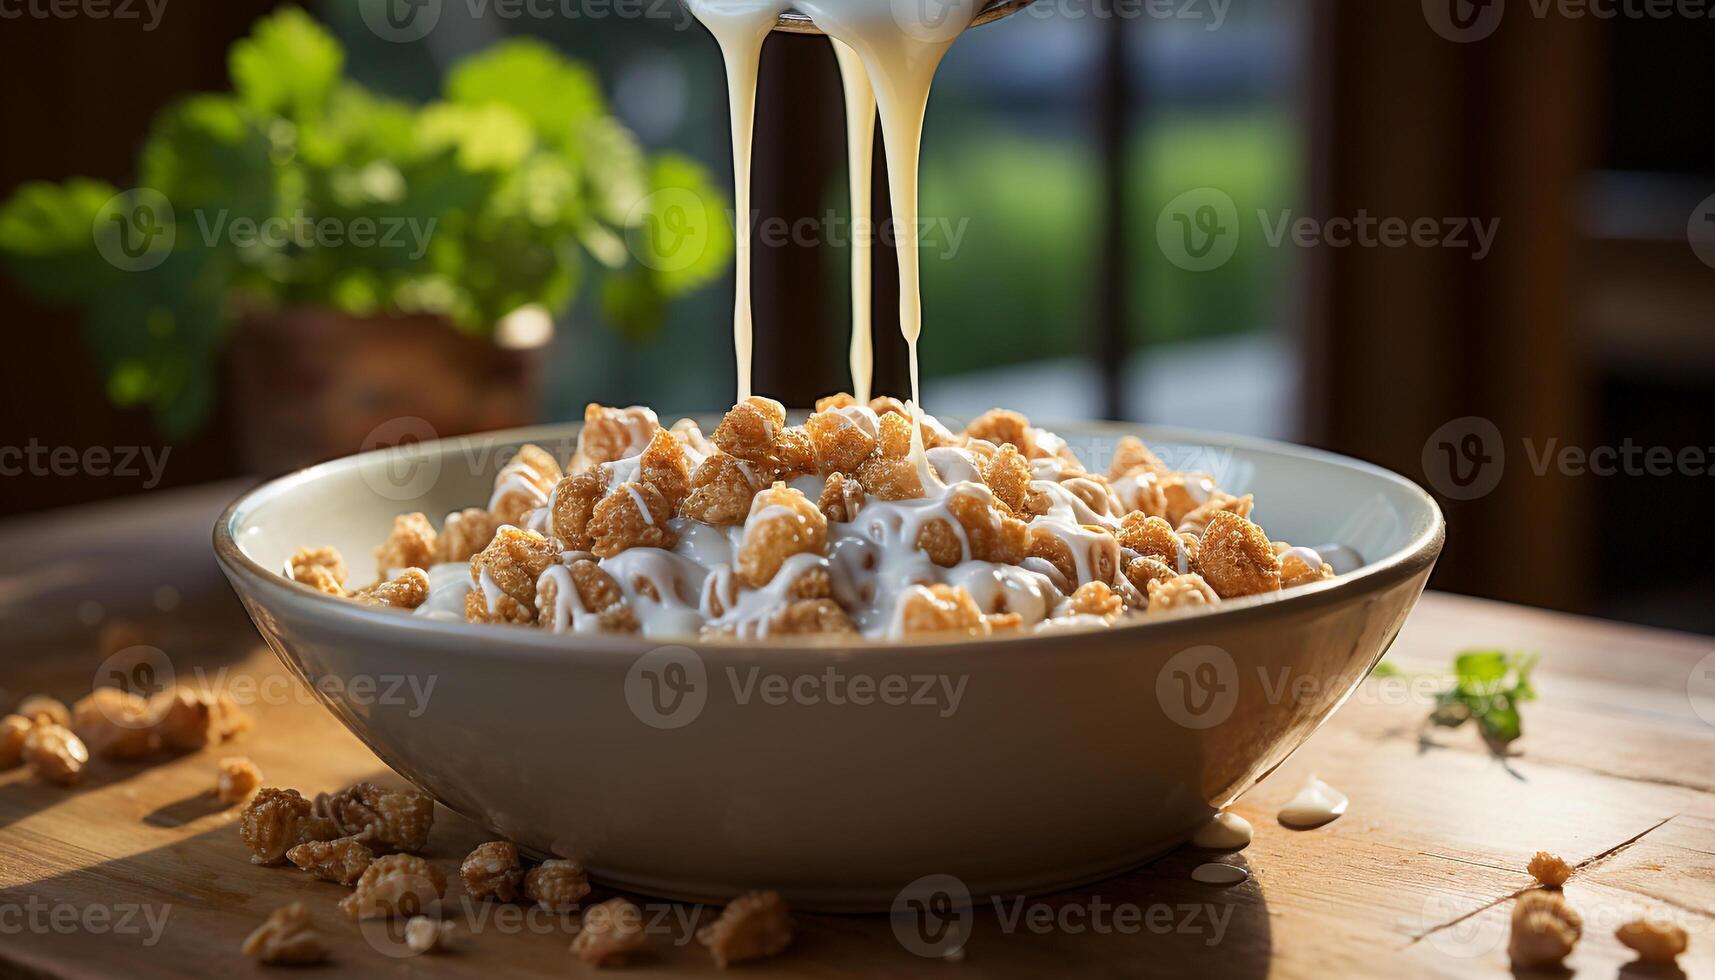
(1472,243)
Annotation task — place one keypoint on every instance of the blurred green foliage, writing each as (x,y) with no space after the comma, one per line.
(302,188)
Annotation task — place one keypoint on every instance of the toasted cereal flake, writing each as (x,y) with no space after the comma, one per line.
(1150,536)
(782,523)
(750,429)
(114,724)
(664,466)
(1295,571)
(342,860)
(236,778)
(1093,491)
(611,932)
(1236,559)
(1655,941)
(54,753)
(794,454)
(722,488)
(385,818)
(839,399)
(395,886)
(1003,427)
(493,870)
(556,885)
(598,595)
(1549,869)
(408,590)
(1181,592)
(635,515)
(506,611)
(1197,521)
(512,562)
(573,504)
(615,433)
(842,497)
(939,609)
(1096,599)
(751,927)
(893,435)
(1184,493)
(1544,929)
(277,820)
(37,707)
(691,434)
(1144,569)
(888,405)
(839,442)
(890,478)
(1132,456)
(424,934)
(1008,474)
(13,730)
(523,484)
(810,616)
(319,568)
(287,937)
(412,543)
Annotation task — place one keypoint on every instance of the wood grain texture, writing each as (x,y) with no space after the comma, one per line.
(138,872)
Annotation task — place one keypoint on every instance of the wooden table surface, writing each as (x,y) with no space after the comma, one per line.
(136,872)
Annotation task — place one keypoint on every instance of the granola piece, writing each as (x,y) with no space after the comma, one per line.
(342,860)
(408,590)
(808,616)
(1294,570)
(40,707)
(835,401)
(236,777)
(388,818)
(890,478)
(1056,546)
(523,484)
(1144,569)
(277,820)
(751,428)
(615,433)
(424,934)
(1003,427)
(506,611)
(54,753)
(635,515)
(893,436)
(782,523)
(1656,942)
(722,488)
(1181,592)
(598,595)
(412,543)
(1093,491)
(1197,521)
(114,724)
(287,937)
(319,568)
(1153,537)
(665,467)
(1235,557)
(940,609)
(1141,491)
(493,870)
(984,531)
(751,927)
(885,405)
(839,441)
(556,885)
(1008,474)
(573,503)
(1183,493)
(610,933)
(794,454)
(185,719)
(395,886)
(1544,929)
(465,533)
(691,434)
(513,562)
(842,497)
(1131,456)
(1549,869)
(13,730)
(1096,599)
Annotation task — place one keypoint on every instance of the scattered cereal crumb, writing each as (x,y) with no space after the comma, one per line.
(556,885)
(14,729)
(343,860)
(395,885)
(611,932)
(277,820)
(1544,929)
(388,818)
(37,706)
(423,934)
(493,870)
(1549,869)
(1655,941)
(286,938)
(54,753)
(114,724)
(752,926)
(237,777)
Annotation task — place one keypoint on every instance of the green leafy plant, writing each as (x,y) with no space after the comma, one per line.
(1485,687)
(301,188)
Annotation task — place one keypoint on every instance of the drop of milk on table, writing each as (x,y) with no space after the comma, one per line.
(1316,804)
(1224,832)
(1219,874)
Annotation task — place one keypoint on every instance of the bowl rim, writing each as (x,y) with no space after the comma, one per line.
(1375,575)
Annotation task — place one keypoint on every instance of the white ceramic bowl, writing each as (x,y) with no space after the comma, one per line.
(695,771)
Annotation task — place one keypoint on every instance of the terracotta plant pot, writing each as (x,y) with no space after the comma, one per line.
(308,385)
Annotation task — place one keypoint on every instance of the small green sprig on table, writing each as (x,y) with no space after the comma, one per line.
(1486,687)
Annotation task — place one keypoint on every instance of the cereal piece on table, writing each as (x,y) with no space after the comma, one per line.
(782,523)
(37,707)
(665,467)
(424,934)
(1549,869)
(574,501)
(722,488)
(412,543)
(837,400)
(611,932)
(186,719)
(395,886)
(54,753)
(287,937)
(1197,521)
(465,533)
(385,818)
(556,885)
(1132,456)
(408,590)
(750,429)
(597,595)
(13,730)
(1544,929)
(512,563)
(1003,427)
(236,777)
(1235,557)
(277,820)
(1096,599)
(842,497)
(493,870)
(615,433)
(890,478)
(114,724)
(1656,942)
(1181,592)
(319,568)
(839,442)
(751,927)
(523,484)
(1008,474)
(1151,537)
(342,860)
(634,515)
